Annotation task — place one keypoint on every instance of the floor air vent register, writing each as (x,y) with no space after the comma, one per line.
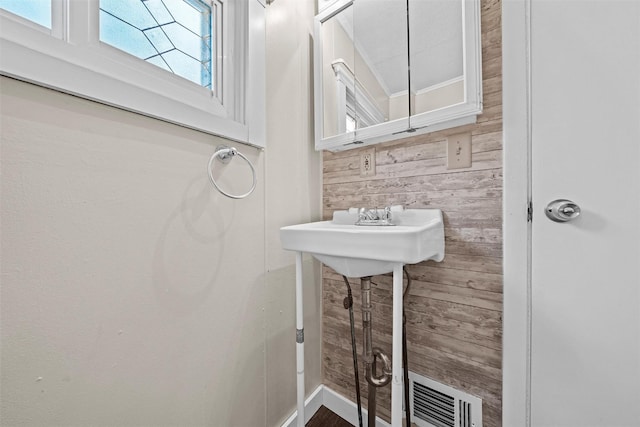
(437,405)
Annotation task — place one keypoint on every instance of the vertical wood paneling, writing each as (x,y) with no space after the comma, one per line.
(453,308)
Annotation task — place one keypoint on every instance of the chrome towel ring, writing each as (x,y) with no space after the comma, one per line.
(225,154)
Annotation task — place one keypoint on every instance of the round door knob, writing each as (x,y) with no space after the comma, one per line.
(562,210)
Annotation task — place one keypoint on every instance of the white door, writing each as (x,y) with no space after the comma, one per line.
(585,273)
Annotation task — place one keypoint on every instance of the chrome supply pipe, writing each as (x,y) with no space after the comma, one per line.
(405,352)
(348,304)
(365,288)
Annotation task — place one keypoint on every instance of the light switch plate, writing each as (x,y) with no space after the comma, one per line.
(368,162)
(459,151)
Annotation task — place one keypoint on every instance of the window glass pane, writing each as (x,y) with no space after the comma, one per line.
(172,34)
(351,124)
(38,11)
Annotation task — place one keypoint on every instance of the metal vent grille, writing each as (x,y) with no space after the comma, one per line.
(465,414)
(437,405)
(433,407)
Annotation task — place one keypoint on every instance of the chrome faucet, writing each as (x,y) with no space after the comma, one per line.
(365,214)
(374,216)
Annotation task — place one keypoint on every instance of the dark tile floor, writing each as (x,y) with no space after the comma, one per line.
(326,418)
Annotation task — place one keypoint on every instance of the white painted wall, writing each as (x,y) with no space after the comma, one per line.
(132,293)
(124,298)
(293,195)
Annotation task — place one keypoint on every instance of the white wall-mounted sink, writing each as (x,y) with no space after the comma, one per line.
(359,251)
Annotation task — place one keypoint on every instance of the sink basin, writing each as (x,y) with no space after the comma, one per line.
(360,251)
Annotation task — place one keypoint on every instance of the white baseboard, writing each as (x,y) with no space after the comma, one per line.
(347,409)
(311,406)
(340,405)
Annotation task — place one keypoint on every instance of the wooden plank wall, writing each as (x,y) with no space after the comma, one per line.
(454,308)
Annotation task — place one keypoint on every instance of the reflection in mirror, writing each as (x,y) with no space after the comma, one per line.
(338,82)
(436,54)
(364,66)
(381,61)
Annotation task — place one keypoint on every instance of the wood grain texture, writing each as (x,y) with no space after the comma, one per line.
(453,308)
(326,418)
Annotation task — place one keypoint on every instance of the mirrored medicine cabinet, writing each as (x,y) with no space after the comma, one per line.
(389,69)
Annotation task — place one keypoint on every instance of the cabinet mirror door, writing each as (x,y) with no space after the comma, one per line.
(436,54)
(444,39)
(334,84)
(363,54)
(385,69)
(380,67)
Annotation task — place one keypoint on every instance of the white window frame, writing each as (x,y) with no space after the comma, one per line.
(353,99)
(70,58)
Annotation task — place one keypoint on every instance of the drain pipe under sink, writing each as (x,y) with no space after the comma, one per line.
(372,354)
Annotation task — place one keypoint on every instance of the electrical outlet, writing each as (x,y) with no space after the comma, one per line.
(459,151)
(368,162)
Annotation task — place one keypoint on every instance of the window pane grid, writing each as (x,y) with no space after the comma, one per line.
(172,34)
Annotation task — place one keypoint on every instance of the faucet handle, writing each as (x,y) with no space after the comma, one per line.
(387,213)
(362,214)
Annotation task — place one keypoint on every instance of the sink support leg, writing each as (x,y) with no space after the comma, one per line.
(299,341)
(397,373)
